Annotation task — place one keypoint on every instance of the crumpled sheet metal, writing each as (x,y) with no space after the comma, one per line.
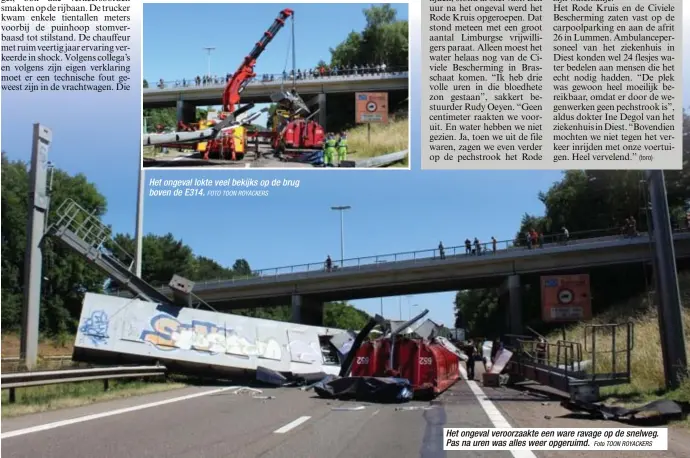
(367,389)
(275,378)
(664,409)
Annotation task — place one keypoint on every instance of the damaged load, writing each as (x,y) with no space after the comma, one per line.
(193,341)
(396,367)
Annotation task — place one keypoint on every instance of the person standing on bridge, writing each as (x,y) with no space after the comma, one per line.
(441,250)
(329,263)
(468,246)
(534,236)
(566,234)
(493,244)
(342,148)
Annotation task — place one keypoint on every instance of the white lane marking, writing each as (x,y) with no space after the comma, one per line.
(292,425)
(71,421)
(495,416)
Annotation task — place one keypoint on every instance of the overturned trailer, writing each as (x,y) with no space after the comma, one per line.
(116,330)
(153,327)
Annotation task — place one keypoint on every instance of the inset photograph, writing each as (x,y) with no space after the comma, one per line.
(276,86)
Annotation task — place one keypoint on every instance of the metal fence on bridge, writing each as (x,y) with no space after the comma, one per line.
(475,249)
(286,78)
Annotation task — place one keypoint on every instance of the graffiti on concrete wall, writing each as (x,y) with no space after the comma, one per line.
(169,334)
(95,327)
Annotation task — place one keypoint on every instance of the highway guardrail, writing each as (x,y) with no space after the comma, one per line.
(383,160)
(42,378)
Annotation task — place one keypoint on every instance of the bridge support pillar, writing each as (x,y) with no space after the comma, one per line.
(186,112)
(322,111)
(511,293)
(307,310)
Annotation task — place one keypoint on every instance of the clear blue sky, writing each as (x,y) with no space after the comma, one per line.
(175,35)
(392,211)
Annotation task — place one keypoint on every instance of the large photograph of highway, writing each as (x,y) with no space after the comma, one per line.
(279,90)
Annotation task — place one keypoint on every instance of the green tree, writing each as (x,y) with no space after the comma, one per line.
(166,117)
(344,316)
(241,268)
(584,201)
(383,40)
(163,257)
(65,274)
(146,84)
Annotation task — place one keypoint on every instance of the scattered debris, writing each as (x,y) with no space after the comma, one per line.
(501,361)
(348,408)
(415,408)
(309,378)
(263,397)
(548,417)
(324,380)
(375,389)
(269,376)
(662,410)
(245,389)
(343,341)
(448,345)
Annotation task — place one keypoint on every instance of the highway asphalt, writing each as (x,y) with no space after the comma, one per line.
(295,424)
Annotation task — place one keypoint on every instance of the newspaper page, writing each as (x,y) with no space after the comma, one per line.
(567,84)
(222,211)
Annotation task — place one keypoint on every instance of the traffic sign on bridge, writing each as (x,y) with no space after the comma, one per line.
(566,298)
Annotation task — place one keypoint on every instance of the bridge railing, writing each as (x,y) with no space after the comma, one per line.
(219,81)
(485,249)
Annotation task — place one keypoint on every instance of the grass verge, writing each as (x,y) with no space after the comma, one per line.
(59,345)
(385,138)
(52,397)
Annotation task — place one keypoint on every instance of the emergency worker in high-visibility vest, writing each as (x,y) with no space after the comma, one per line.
(329,149)
(342,147)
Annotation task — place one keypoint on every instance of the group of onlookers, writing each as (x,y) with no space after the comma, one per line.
(301,74)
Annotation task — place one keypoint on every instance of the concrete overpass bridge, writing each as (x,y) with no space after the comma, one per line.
(306,287)
(186,96)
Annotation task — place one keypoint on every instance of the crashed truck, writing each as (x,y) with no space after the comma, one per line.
(150,327)
(194,341)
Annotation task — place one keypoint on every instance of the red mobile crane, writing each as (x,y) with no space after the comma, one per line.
(245,72)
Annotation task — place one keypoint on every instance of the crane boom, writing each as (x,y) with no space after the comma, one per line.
(245,72)
(231,94)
